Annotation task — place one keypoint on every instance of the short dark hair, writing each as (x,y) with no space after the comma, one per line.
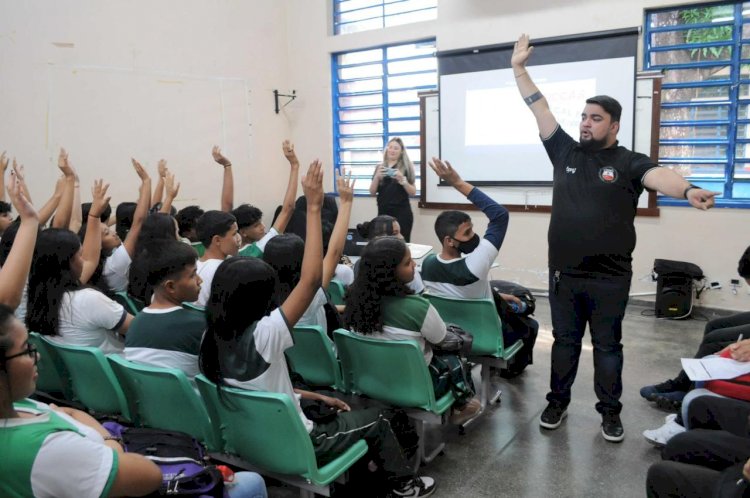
(447,223)
(4,207)
(171,258)
(744,267)
(186,218)
(124,218)
(285,253)
(610,105)
(86,207)
(213,223)
(247,215)
(377,227)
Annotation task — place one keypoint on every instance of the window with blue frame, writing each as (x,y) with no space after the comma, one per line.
(375,98)
(351,16)
(704,53)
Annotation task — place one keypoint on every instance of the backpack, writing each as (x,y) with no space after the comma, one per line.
(517,290)
(180,457)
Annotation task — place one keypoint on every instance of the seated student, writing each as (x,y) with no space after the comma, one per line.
(298,220)
(387,226)
(448,274)
(52,452)
(712,458)
(285,254)
(380,304)
(186,219)
(217,231)
(157,228)
(164,334)
(247,335)
(249,218)
(717,335)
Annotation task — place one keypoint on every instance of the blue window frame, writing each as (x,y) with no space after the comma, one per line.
(350,16)
(375,98)
(704,53)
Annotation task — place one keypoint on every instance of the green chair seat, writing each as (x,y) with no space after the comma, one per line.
(53,377)
(313,356)
(130,303)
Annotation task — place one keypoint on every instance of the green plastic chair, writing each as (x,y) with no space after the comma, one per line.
(130,303)
(164,398)
(479,317)
(53,377)
(313,356)
(92,380)
(336,291)
(393,372)
(265,431)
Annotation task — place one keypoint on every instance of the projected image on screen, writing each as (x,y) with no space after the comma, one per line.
(489,132)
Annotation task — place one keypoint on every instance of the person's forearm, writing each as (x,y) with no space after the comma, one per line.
(227,190)
(62,218)
(139,216)
(166,207)
(667,182)
(14,272)
(76,213)
(410,189)
(92,247)
(287,206)
(158,192)
(375,183)
(497,215)
(49,209)
(312,267)
(337,242)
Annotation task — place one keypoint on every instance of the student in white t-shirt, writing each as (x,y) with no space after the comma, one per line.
(56,452)
(247,335)
(217,231)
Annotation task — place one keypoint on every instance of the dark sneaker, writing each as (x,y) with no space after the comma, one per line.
(671,402)
(553,415)
(612,428)
(419,486)
(650,392)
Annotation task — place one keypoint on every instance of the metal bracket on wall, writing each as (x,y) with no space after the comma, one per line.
(276,96)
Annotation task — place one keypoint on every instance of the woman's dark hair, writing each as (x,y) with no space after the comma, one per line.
(124,218)
(6,316)
(157,228)
(377,227)
(375,279)
(50,278)
(6,243)
(242,292)
(284,253)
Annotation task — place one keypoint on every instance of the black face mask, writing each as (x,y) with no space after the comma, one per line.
(467,246)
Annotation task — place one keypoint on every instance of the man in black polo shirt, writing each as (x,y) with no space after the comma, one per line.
(591,238)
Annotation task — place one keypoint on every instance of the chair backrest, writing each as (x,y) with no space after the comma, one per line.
(336,290)
(53,376)
(92,380)
(164,398)
(478,317)
(262,428)
(391,371)
(313,356)
(130,303)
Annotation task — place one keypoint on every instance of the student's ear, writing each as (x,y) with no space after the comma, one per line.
(215,240)
(169,286)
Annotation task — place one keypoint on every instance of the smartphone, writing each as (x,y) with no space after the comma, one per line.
(390,172)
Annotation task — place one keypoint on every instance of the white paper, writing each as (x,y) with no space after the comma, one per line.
(713,368)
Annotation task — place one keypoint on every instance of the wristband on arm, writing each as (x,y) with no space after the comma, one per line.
(690,187)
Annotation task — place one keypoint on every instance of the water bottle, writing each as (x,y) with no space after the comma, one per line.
(518,308)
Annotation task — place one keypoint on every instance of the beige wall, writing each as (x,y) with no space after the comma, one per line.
(169,78)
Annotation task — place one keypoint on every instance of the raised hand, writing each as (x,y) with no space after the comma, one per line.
(171,187)
(23,207)
(521,51)
(219,157)
(99,198)
(445,171)
(64,165)
(4,161)
(312,184)
(141,171)
(161,167)
(291,156)
(701,198)
(345,186)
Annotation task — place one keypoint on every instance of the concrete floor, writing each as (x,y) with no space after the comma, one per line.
(507,454)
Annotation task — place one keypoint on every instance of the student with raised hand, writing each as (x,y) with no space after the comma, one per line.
(165,334)
(247,335)
(52,452)
(249,218)
(65,208)
(285,254)
(171,189)
(15,268)
(227,184)
(218,233)
(59,305)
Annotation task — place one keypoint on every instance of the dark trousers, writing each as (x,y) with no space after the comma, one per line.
(718,334)
(682,480)
(599,302)
(403,215)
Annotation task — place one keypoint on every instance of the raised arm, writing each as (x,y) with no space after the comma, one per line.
(669,183)
(287,205)
(227,184)
(159,190)
(46,212)
(92,242)
(345,186)
(172,188)
(545,120)
(76,212)
(4,161)
(141,209)
(21,176)
(16,268)
(62,219)
(312,262)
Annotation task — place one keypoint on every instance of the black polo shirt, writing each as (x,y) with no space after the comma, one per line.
(594,200)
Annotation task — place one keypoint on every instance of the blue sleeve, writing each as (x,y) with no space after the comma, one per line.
(496,213)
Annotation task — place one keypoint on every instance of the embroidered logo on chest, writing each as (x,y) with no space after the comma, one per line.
(568,169)
(608,174)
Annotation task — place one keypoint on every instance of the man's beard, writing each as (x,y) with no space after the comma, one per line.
(592,144)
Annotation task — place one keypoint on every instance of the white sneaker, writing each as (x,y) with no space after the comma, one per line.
(659,437)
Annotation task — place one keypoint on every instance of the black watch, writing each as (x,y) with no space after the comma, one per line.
(690,187)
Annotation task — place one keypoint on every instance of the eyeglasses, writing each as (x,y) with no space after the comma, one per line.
(31,351)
